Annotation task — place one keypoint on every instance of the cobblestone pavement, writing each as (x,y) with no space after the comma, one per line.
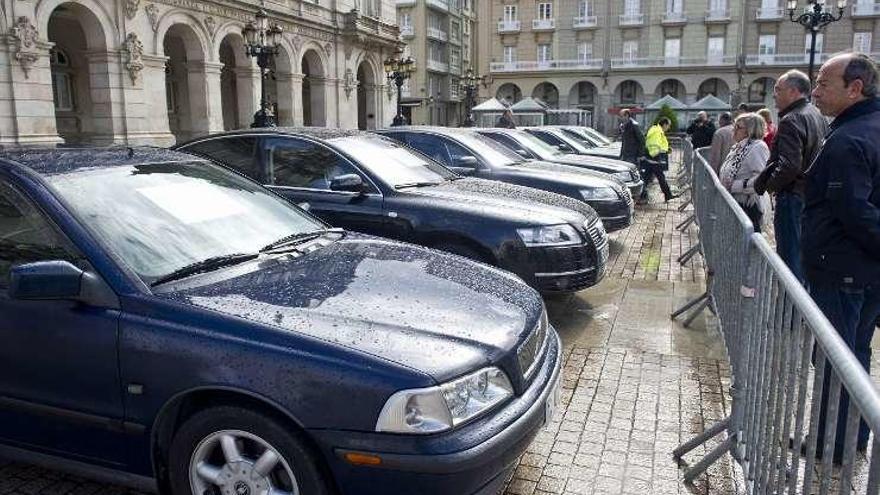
(635,383)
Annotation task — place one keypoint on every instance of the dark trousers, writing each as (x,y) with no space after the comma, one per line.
(787,224)
(651,169)
(853,312)
(755,215)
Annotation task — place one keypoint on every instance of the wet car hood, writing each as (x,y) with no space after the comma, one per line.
(441,314)
(606,151)
(540,205)
(611,165)
(563,174)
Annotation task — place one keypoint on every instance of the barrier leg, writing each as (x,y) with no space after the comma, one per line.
(696,312)
(690,253)
(698,440)
(686,223)
(690,304)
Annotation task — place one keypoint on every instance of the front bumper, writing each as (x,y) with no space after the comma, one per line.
(635,188)
(475,459)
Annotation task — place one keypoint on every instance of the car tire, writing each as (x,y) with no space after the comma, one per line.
(461,250)
(206,443)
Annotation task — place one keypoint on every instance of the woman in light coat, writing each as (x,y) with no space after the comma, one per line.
(746,160)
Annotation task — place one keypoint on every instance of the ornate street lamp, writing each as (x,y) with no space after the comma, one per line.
(399,70)
(262,42)
(469,84)
(814,18)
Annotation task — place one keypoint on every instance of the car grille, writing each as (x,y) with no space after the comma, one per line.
(530,350)
(597,234)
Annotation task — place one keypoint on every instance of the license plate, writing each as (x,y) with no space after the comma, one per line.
(552,402)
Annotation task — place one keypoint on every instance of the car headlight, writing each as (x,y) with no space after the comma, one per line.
(599,194)
(549,235)
(436,409)
(623,176)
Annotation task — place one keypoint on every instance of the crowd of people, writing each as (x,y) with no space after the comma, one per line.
(821,163)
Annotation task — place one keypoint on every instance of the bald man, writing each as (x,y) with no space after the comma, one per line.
(840,240)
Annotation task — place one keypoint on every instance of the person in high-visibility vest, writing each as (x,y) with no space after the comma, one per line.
(657,160)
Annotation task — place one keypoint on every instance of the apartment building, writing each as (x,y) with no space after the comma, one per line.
(602,55)
(441,36)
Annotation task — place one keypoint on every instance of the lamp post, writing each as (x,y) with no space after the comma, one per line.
(814,18)
(262,40)
(399,70)
(470,83)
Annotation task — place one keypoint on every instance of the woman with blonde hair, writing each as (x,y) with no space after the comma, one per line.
(746,160)
(770,131)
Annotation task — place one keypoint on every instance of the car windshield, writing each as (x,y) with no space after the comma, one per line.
(159,218)
(574,143)
(488,149)
(596,134)
(394,164)
(535,145)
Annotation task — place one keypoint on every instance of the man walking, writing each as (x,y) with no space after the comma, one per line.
(506,120)
(841,218)
(722,141)
(701,130)
(657,147)
(798,137)
(632,140)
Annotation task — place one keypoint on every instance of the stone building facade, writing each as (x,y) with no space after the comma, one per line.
(161,71)
(605,54)
(441,35)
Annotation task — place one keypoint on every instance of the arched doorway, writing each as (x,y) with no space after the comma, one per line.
(671,87)
(239,83)
(509,93)
(184,86)
(547,93)
(80,76)
(583,96)
(715,87)
(313,90)
(366,96)
(629,93)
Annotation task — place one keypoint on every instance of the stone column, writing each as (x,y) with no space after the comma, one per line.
(296,98)
(147,103)
(248,83)
(27,112)
(106,122)
(205,103)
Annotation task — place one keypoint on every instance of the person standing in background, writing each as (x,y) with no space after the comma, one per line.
(769,128)
(701,130)
(746,160)
(722,141)
(631,137)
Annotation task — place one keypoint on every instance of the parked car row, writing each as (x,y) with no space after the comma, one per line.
(238,315)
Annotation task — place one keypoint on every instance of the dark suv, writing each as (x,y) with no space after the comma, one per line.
(372,184)
(468,153)
(169,324)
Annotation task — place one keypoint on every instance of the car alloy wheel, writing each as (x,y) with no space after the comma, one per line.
(234,462)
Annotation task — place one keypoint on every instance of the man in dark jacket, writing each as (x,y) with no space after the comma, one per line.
(506,120)
(631,137)
(841,219)
(701,131)
(798,137)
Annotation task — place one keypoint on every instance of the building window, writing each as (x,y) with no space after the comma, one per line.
(405,19)
(674,6)
(509,13)
(820,44)
(509,54)
(454,57)
(767,47)
(62,80)
(545,11)
(628,92)
(759,90)
(862,42)
(718,6)
(669,87)
(545,53)
(583,8)
(453,89)
(585,51)
(630,50)
(715,50)
(632,7)
(672,50)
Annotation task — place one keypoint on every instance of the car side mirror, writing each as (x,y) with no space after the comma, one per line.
(465,162)
(347,183)
(45,280)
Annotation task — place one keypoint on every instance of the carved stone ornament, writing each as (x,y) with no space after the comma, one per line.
(210,25)
(153,14)
(131,8)
(25,36)
(349,83)
(297,44)
(328,49)
(134,50)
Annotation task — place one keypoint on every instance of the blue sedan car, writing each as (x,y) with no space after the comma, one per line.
(169,324)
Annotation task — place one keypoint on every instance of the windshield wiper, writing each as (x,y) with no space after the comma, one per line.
(204,266)
(296,239)
(416,184)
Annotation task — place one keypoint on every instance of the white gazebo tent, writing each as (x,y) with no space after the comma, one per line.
(529,112)
(710,104)
(487,113)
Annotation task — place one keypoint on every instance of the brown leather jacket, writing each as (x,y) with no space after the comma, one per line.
(798,138)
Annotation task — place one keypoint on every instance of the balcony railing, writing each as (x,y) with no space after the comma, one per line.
(865,9)
(642,63)
(718,15)
(407,31)
(674,18)
(404,3)
(784,58)
(585,22)
(436,66)
(632,19)
(769,13)
(550,65)
(438,4)
(437,34)
(543,24)
(508,26)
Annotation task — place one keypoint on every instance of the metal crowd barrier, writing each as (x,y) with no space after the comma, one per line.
(784,356)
